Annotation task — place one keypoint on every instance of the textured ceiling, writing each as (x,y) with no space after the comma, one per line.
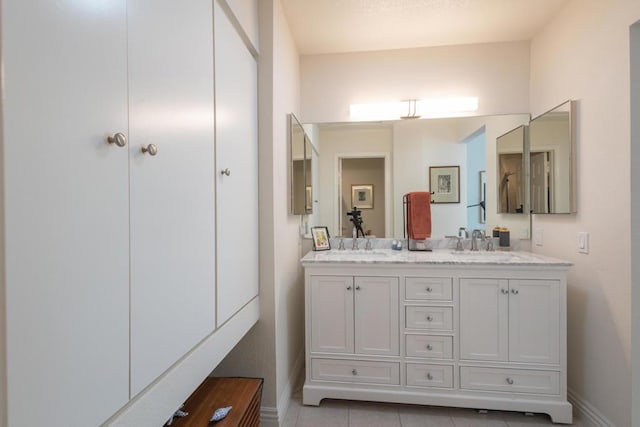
(331,26)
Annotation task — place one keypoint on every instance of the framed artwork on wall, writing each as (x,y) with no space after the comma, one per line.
(362,196)
(444,184)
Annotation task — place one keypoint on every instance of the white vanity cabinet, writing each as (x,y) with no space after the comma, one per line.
(354,315)
(480,334)
(510,320)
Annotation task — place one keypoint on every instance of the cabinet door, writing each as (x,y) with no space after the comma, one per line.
(376,316)
(484,307)
(66,211)
(237,156)
(172,194)
(331,314)
(534,321)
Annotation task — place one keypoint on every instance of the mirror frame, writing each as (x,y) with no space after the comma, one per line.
(307,150)
(524,166)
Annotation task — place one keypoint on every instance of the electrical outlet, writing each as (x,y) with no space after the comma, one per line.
(583,242)
(538,237)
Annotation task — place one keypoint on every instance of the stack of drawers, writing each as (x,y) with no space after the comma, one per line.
(429,331)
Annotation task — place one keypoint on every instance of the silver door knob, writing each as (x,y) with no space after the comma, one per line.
(119,139)
(226,172)
(348,288)
(358,288)
(354,372)
(429,376)
(429,318)
(152,149)
(510,381)
(429,289)
(504,291)
(429,347)
(515,291)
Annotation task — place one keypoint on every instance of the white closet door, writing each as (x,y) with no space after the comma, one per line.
(66,211)
(237,154)
(172,193)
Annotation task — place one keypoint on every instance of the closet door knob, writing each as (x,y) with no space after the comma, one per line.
(119,139)
(152,149)
(226,172)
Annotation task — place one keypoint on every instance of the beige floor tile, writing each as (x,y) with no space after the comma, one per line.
(291,418)
(328,414)
(367,414)
(424,416)
(472,418)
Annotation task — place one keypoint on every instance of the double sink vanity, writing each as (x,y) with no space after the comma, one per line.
(484,330)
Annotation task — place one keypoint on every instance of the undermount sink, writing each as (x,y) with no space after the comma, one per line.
(358,253)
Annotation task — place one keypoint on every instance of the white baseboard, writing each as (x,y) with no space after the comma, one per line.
(274,417)
(587,412)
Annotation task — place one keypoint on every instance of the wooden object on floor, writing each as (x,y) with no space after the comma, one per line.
(244,394)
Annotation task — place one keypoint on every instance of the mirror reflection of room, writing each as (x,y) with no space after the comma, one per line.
(511,172)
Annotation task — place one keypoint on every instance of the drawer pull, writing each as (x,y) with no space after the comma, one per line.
(509,380)
(429,318)
(429,347)
(429,289)
(354,372)
(429,376)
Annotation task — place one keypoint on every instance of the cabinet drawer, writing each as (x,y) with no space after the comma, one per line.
(429,318)
(510,380)
(355,371)
(429,375)
(428,288)
(432,346)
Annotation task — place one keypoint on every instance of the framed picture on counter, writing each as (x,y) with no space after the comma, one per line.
(320,237)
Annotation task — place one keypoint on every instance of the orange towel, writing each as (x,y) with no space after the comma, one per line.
(418,215)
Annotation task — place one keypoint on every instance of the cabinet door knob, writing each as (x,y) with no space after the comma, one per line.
(429,289)
(348,288)
(354,372)
(226,172)
(119,139)
(429,347)
(152,149)
(509,381)
(429,376)
(504,291)
(429,318)
(514,291)
(357,287)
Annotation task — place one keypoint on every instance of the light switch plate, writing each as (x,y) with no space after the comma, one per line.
(538,237)
(583,242)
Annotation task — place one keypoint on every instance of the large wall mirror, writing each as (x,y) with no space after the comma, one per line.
(379,162)
(301,152)
(552,161)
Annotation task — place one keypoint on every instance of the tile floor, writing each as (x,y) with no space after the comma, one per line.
(344,413)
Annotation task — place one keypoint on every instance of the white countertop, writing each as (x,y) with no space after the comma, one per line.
(438,257)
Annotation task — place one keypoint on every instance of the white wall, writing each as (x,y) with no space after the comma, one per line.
(497,73)
(584,55)
(274,348)
(635,218)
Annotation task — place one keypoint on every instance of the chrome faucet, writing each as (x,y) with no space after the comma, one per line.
(367,247)
(474,238)
(463,232)
(354,246)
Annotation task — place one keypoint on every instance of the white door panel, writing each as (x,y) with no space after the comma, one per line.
(237,152)
(66,211)
(172,193)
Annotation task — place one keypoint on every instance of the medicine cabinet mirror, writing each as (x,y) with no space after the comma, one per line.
(300,168)
(552,161)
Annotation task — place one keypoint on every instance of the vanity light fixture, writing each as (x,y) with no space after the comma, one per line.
(413,108)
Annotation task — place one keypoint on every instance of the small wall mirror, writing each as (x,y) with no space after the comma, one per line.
(552,160)
(301,189)
(511,177)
